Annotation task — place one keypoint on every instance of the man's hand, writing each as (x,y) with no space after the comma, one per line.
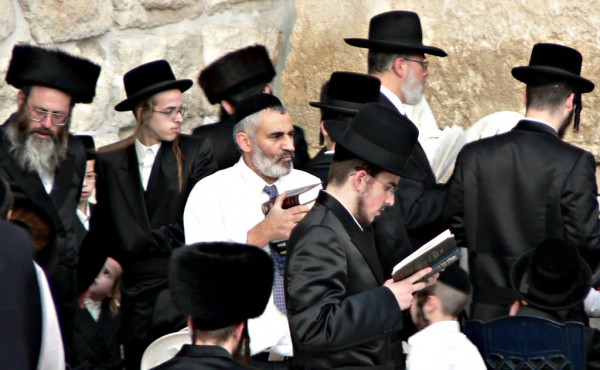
(278,223)
(403,290)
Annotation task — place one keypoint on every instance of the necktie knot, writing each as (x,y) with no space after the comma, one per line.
(271,190)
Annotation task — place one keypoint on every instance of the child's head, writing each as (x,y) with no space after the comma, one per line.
(106,282)
(444,300)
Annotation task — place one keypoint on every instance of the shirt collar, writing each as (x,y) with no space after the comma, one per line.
(393,98)
(140,149)
(540,121)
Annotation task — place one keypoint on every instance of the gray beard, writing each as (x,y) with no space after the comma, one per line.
(412,90)
(34,154)
(271,167)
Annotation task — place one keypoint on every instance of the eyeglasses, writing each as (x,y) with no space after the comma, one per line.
(387,187)
(423,63)
(39,114)
(90,177)
(172,112)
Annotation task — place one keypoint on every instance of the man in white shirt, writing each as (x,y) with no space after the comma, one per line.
(226,206)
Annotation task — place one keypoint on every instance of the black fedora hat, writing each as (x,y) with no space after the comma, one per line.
(149,79)
(396,31)
(552,276)
(235,72)
(348,91)
(33,65)
(220,284)
(554,63)
(378,134)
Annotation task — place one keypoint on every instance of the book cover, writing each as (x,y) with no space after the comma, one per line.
(301,195)
(438,253)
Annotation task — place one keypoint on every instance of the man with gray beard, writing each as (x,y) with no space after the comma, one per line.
(226,206)
(39,159)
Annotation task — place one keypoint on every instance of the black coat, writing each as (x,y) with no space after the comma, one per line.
(339,313)
(319,165)
(140,228)
(513,191)
(192,357)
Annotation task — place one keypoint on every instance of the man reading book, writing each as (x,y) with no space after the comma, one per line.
(341,308)
(227,206)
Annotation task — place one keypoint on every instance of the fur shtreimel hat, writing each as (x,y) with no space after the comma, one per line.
(235,72)
(32,65)
(220,284)
(348,91)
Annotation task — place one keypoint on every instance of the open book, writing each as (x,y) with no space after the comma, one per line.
(302,195)
(439,253)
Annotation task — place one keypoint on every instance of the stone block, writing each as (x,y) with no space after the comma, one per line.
(153,13)
(7,18)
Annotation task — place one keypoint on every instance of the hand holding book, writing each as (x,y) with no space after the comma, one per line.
(294,197)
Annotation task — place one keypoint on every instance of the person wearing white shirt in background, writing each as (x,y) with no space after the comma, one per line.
(226,206)
(439,344)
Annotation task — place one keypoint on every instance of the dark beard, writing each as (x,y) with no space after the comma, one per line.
(32,153)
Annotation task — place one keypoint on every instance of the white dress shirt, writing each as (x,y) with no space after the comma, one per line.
(84,217)
(145,159)
(440,346)
(224,207)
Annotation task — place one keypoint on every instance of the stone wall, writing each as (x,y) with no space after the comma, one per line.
(484,40)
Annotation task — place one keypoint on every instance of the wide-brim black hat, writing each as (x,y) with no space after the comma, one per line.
(236,72)
(396,31)
(551,276)
(378,134)
(220,284)
(554,63)
(147,80)
(32,65)
(347,92)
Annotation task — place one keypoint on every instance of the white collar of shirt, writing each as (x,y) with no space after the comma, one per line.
(93,307)
(140,150)
(393,98)
(47,181)
(540,121)
(84,217)
(254,181)
(350,213)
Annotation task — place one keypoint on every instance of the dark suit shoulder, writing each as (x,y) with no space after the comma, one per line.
(117,146)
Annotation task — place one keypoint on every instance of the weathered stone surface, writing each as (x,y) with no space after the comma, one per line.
(153,13)
(7,18)
(241,6)
(66,20)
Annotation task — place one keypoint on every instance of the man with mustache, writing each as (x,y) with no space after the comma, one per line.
(513,191)
(227,207)
(42,162)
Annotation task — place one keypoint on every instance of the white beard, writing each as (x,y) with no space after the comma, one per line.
(269,166)
(412,90)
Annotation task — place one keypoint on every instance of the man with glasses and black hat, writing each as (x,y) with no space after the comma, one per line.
(42,162)
(513,191)
(342,308)
(142,186)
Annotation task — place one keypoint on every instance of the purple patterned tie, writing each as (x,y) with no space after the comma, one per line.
(278,261)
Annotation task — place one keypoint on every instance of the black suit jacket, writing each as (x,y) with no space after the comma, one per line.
(513,191)
(339,312)
(319,165)
(192,357)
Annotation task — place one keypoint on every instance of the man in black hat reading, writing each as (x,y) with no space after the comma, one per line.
(341,307)
(227,206)
(142,186)
(229,80)
(42,162)
(218,286)
(513,191)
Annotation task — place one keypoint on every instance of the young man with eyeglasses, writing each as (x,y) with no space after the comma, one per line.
(142,187)
(42,163)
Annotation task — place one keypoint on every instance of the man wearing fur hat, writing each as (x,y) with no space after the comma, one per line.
(342,309)
(229,80)
(38,157)
(142,186)
(217,310)
(227,206)
(513,191)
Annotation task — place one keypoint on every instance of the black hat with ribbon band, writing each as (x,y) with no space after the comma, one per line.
(147,80)
(236,72)
(551,63)
(254,104)
(396,31)
(32,65)
(552,276)
(347,92)
(220,284)
(379,135)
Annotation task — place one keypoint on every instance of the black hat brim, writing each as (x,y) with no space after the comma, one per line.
(536,75)
(582,287)
(130,103)
(394,46)
(335,108)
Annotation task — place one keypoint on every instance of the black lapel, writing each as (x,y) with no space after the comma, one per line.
(128,177)
(360,239)
(163,175)
(62,181)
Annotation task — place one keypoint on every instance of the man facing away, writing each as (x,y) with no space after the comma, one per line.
(141,189)
(342,309)
(227,207)
(513,191)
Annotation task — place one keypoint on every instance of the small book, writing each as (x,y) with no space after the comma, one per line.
(302,195)
(439,253)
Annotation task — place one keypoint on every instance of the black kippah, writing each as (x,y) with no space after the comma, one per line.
(255,103)
(457,278)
